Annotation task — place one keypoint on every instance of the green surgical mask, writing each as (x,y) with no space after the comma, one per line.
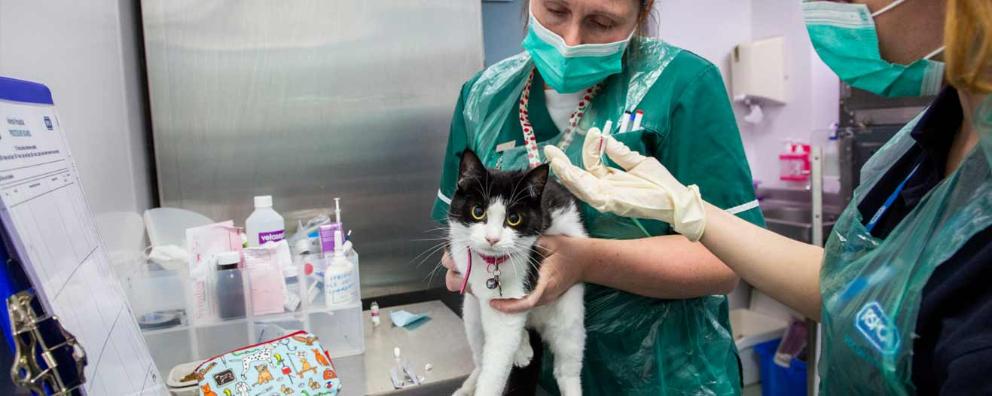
(569,69)
(845,37)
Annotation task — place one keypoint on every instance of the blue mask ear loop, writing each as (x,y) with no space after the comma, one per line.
(888,202)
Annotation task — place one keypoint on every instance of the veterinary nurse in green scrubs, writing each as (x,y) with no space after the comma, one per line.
(657,318)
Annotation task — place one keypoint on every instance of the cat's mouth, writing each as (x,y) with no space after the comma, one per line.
(496,260)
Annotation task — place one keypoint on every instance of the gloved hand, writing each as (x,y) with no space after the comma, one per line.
(645,190)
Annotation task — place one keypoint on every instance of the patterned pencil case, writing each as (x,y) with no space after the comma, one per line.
(294,364)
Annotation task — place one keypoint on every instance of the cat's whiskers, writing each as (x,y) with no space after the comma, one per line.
(431,251)
(429,239)
(428,253)
(430,275)
(441,231)
(521,250)
(535,261)
(485,188)
(437,266)
(442,239)
(518,194)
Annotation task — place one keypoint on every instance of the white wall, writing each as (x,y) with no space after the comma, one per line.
(712,28)
(86,53)
(709,28)
(814,90)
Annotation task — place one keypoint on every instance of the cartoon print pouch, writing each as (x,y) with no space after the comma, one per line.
(294,364)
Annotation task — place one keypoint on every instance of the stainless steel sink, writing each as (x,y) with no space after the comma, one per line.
(797,214)
(789,212)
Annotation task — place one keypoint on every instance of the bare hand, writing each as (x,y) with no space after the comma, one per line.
(453,279)
(559,272)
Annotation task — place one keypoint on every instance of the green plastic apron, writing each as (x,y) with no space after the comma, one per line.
(871,288)
(635,345)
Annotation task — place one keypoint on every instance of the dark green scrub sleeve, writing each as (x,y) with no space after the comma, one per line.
(704,147)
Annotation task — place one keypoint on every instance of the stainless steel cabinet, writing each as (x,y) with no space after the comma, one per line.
(308,100)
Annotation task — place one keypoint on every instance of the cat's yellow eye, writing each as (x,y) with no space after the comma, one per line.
(514,219)
(478,213)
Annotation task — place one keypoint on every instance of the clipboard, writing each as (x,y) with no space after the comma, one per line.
(68,317)
(47,358)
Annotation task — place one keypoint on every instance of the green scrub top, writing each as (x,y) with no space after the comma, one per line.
(637,344)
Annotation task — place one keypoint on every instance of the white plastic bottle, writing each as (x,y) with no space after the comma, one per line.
(339,284)
(264,224)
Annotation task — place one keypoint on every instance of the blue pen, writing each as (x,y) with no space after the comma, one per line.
(888,202)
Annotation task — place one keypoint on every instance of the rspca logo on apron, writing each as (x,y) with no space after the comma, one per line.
(878,328)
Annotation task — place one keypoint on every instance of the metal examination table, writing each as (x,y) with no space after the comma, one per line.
(440,341)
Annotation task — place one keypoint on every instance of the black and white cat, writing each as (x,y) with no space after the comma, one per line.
(495,220)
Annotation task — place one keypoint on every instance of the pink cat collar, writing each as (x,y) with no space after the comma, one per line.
(468,271)
(491,261)
(494,260)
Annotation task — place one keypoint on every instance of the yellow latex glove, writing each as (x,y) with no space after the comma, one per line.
(644,189)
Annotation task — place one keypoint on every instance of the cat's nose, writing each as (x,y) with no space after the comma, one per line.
(492,240)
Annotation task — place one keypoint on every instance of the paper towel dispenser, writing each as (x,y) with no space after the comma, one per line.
(758,72)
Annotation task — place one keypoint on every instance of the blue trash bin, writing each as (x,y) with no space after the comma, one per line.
(777,380)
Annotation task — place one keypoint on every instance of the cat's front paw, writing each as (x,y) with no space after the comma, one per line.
(524,355)
(468,387)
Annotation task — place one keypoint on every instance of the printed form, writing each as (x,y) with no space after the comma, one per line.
(42,202)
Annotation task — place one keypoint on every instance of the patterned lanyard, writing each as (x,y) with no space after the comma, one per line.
(530,140)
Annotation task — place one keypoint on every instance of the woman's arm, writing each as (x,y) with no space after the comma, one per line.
(786,270)
(673,267)
(659,267)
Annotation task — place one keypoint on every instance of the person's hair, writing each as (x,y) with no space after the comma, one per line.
(643,17)
(968,40)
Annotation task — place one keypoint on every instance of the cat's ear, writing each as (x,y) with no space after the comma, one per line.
(536,179)
(470,170)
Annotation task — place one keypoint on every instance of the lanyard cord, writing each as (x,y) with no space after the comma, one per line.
(530,140)
(888,202)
